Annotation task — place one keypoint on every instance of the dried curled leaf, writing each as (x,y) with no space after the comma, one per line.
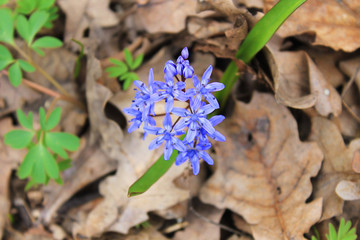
(264,171)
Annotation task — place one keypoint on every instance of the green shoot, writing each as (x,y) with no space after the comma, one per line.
(124,71)
(47,151)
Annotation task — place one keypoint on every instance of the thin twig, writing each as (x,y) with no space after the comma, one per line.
(49,92)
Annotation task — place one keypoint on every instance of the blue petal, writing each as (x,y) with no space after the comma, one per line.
(180,95)
(190,92)
(191,133)
(155,143)
(167,123)
(181,158)
(160,85)
(153,130)
(178,144)
(196,82)
(169,104)
(215,120)
(218,136)
(168,150)
(212,100)
(195,102)
(142,86)
(169,79)
(136,124)
(151,78)
(131,111)
(215,86)
(185,53)
(188,71)
(181,112)
(180,85)
(206,125)
(181,124)
(206,76)
(205,110)
(170,68)
(206,157)
(195,164)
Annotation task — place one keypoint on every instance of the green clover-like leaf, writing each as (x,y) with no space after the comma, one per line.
(18,138)
(45,4)
(23,28)
(6,26)
(15,75)
(27,67)
(47,42)
(38,51)
(39,164)
(128,57)
(137,62)
(58,142)
(128,78)
(5,57)
(25,121)
(42,116)
(36,22)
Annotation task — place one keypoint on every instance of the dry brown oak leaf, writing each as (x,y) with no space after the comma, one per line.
(263,171)
(337,165)
(336,24)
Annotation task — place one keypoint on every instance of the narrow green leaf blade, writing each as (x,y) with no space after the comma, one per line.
(38,51)
(36,22)
(53,119)
(154,173)
(137,62)
(18,138)
(116,71)
(78,59)
(6,26)
(27,67)
(22,27)
(116,61)
(25,121)
(47,42)
(15,75)
(265,28)
(127,83)
(5,57)
(128,57)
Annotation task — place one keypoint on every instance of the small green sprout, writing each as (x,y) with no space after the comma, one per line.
(124,71)
(47,151)
(344,232)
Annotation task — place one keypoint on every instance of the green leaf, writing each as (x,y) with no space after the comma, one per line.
(332,233)
(116,62)
(36,22)
(154,173)
(25,121)
(137,62)
(5,57)
(53,16)
(38,172)
(15,75)
(116,71)
(129,75)
(47,42)
(265,28)
(255,41)
(27,165)
(53,119)
(6,26)
(58,142)
(45,4)
(128,57)
(49,163)
(27,67)
(42,115)
(127,83)
(38,51)
(26,6)
(18,138)
(65,164)
(22,27)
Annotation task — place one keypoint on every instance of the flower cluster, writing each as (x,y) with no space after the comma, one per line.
(193,118)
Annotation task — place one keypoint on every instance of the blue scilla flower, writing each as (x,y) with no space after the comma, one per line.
(194,120)
(204,89)
(194,154)
(168,134)
(171,91)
